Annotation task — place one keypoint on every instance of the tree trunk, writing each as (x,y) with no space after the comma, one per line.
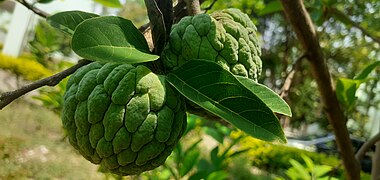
(300,20)
(376,163)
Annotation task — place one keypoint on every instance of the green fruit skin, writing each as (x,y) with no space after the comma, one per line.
(227,37)
(124,117)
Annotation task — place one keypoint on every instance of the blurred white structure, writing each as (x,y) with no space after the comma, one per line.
(17,31)
(23,19)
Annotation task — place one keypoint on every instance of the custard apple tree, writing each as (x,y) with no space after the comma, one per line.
(125,108)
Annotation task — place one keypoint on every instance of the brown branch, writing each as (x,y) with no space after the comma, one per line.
(366,146)
(300,20)
(39,12)
(8,97)
(193,7)
(343,17)
(289,78)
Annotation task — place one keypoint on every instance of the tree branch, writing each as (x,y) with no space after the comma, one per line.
(300,20)
(366,146)
(289,78)
(193,7)
(343,17)
(8,97)
(39,12)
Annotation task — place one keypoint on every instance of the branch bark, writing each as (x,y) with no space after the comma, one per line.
(297,15)
(193,7)
(366,146)
(39,12)
(8,97)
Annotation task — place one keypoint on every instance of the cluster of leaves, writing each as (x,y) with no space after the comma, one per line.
(26,68)
(188,161)
(47,41)
(310,171)
(275,157)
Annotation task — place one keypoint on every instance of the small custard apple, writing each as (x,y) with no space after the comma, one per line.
(227,37)
(124,117)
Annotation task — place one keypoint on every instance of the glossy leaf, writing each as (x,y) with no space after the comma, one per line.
(218,91)
(111,39)
(110,3)
(269,97)
(67,21)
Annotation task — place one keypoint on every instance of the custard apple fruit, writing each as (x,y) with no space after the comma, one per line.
(227,37)
(124,117)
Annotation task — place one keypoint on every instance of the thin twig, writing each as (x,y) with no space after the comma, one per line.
(8,97)
(340,14)
(39,12)
(366,146)
(289,78)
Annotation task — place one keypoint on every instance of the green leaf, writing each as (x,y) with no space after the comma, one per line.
(214,134)
(346,90)
(272,7)
(269,97)
(211,87)
(189,162)
(67,21)
(309,163)
(301,171)
(111,39)
(110,3)
(322,170)
(215,159)
(217,175)
(366,71)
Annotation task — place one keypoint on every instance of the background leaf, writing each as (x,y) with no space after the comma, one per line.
(272,7)
(269,97)
(111,39)
(214,134)
(366,71)
(110,3)
(346,90)
(67,21)
(210,86)
(189,162)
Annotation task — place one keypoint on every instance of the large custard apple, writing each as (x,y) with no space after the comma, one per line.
(227,37)
(124,117)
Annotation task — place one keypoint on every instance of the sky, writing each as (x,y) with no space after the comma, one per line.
(65,5)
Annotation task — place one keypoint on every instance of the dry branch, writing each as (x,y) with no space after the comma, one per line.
(8,97)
